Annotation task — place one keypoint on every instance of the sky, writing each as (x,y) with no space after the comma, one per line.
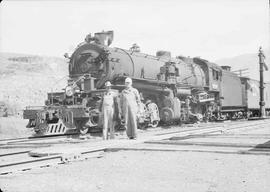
(211,29)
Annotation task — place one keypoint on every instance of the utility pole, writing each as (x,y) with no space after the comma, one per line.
(262,65)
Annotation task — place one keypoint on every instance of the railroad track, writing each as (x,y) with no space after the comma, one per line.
(33,138)
(210,141)
(15,152)
(52,137)
(217,127)
(20,160)
(45,141)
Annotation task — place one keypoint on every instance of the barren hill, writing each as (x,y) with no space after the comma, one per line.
(26,79)
(250,61)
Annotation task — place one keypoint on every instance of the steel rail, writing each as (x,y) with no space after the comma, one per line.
(212,126)
(14,153)
(33,138)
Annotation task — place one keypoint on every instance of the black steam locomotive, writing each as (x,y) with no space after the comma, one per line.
(180,89)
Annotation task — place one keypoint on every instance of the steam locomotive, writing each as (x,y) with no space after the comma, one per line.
(180,89)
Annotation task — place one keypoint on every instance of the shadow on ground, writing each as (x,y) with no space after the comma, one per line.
(262,147)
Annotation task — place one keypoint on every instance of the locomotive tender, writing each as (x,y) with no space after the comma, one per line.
(180,89)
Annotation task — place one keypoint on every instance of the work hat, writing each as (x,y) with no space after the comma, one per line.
(128,80)
(108,84)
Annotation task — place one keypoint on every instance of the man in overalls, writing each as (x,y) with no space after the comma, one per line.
(108,110)
(130,100)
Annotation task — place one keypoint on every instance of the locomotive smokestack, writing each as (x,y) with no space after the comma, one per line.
(104,38)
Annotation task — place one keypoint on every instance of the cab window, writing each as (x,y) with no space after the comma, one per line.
(215,74)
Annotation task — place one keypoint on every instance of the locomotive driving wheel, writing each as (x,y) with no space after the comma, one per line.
(94,118)
(82,127)
(154,124)
(83,130)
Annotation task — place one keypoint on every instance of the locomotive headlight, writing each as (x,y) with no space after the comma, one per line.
(69,91)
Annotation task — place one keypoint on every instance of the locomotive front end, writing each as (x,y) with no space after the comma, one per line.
(89,60)
(76,108)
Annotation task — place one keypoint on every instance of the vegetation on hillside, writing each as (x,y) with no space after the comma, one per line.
(26,79)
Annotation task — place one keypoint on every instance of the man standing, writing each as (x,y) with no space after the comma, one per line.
(109,111)
(130,100)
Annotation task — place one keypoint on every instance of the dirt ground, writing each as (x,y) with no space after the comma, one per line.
(14,127)
(149,171)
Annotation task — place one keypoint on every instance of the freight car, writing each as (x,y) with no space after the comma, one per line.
(238,97)
(251,97)
(180,89)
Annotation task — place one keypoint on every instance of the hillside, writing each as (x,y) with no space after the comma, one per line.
(250,61)
(26,79)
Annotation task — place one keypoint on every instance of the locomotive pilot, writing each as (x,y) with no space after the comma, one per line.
(130,101)
(109,111)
